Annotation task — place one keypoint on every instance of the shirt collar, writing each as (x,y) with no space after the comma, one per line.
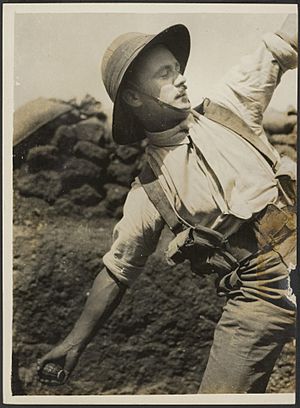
(175,136)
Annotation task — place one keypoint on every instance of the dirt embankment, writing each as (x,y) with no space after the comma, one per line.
(68,193)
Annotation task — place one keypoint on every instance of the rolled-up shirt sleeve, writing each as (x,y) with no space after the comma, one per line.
(135,236)
(248,87)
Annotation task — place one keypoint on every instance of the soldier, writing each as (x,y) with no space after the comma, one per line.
(224,191)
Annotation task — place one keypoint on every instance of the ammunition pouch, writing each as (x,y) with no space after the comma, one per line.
(208,251)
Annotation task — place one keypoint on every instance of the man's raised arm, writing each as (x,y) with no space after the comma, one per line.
(248,87)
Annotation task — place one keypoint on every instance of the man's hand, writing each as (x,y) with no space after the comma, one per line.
(62,352)
(105,296)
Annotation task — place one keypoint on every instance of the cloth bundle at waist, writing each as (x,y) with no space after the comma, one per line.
(256,259)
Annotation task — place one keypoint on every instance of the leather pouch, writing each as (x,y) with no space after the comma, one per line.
(207,251)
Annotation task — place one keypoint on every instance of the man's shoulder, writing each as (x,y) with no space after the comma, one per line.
(139,205)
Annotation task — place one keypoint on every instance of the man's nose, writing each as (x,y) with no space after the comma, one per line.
(179,80)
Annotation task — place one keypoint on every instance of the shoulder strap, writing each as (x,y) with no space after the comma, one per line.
(158,198)
(229,119)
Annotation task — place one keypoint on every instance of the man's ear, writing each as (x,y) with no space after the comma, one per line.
(131,97)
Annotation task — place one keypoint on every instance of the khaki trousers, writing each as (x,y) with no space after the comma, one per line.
(260,313)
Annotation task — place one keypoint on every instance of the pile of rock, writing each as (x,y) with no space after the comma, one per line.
(281,129)
(72,164)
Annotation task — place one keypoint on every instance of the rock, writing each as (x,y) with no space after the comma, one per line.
(64,206)
(90,106)
(286,150)
(98,211)
(45,185)
(36,212)
(19,155)
(121,173)
(69,118)
(127,154)
(42,158)
(275,122)
(115,196)
(90,151)
(91,130)
(290,139)
(16,383)
(118,212)
(85,195)
(65,139)
(77,172)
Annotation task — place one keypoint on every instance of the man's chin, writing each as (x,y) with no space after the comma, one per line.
(183,104)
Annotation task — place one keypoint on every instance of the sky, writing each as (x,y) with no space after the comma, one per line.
(58,54)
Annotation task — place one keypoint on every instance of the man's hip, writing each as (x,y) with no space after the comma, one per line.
(266,251)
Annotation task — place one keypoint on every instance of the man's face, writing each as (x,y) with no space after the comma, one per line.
(158,74)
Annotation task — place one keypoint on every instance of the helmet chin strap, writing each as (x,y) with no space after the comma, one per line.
(166,105)
(161,103)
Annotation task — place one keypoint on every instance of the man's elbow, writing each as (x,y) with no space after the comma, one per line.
(121,285)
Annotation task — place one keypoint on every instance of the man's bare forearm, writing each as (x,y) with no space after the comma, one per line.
(104,297)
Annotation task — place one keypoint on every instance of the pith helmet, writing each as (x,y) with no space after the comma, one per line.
(120,56)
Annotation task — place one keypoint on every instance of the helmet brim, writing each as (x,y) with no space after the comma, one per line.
(126,128)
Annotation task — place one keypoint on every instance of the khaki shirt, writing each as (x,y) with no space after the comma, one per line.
(209,174)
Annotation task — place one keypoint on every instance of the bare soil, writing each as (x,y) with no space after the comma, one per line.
(157,341)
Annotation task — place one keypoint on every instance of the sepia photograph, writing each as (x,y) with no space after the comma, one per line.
(150,162)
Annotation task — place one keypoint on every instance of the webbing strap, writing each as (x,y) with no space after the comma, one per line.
(157,196)
(159,199)
(229,119)
(218,114)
